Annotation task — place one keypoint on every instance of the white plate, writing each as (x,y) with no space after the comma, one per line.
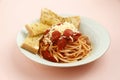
(97,34)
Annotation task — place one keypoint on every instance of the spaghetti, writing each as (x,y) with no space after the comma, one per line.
(64,44)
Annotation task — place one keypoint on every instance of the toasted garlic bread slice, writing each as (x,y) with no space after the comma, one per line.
(36,28)
(49,17)
(75,20)
(31,44)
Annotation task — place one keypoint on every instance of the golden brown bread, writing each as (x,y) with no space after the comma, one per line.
(50,18)
(36,28)
(31,43)
(47,19)
(75,20)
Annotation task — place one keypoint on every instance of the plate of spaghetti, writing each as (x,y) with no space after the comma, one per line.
(63,44)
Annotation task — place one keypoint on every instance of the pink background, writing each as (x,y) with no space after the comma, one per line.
(14,14)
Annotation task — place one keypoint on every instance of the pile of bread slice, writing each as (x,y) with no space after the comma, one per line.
(46,20)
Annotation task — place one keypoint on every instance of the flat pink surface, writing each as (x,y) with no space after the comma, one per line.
(16,13)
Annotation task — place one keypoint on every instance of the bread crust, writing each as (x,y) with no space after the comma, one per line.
(31,44)
(30,48)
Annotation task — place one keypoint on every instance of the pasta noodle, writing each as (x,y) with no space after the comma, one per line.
(73,50)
